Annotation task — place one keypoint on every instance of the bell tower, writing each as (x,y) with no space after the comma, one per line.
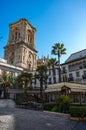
(20,49)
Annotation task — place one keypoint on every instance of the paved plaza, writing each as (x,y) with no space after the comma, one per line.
(23,119)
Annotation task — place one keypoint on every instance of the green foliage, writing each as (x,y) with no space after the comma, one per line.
(29,88)
(17,101)
(11,80)
(65,100)
(78,111)
(7,79)
(55,109)
(52,62)
(41,74)
(48,106)
(4,78)
(58,49)
(64,103)
(24,79)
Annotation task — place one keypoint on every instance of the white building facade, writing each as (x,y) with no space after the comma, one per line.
(5,67)
(74,69)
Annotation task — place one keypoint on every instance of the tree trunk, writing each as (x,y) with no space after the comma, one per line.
(59,68)
(41,91)
(53,73)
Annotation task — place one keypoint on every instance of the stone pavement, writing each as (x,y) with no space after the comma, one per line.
(23,119)
(6,103)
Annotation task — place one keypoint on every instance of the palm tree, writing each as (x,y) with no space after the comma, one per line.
(42,76)
(4,80)
(23,80)
(11,80)
(7,81)
(52,63)
(58,49)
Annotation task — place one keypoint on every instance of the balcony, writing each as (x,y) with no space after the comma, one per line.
(70,79)
(64,71)
(80,67)
(84,65)
(83,76)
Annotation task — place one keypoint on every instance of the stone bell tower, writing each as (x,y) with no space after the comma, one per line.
(20,49)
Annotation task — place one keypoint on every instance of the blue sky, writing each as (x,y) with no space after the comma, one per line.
(55,20)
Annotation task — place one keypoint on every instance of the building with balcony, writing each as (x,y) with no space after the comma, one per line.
(74,68)
(73,79)
(20,55)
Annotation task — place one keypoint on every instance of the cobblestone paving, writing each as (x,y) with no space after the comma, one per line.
(23,119)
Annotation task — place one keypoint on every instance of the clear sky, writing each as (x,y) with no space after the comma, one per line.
(55,20)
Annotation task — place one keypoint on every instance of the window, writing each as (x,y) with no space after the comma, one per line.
(12,37)
(19,56)
(23,58)
(77,74)
(31,40)
(35,81)
(19,35)
(64,70)
(77,66)
(49,80)
(54,79)
(15,35)
(69,67)
(54,72)
(12,53)
(85,73)
(84,64)
(70,75)
(28,38)
(80,65)
(49,72)
(11,61)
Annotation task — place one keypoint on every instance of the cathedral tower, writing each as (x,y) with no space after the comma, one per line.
(20,49)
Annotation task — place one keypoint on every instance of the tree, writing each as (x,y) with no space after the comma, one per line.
(41,74)
(7,81)
(24,80)
(58,49)
(64,103)
(52,63)
(4,80)
(11,80)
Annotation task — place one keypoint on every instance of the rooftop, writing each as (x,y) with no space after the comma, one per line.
(77,55)
(75,87)
(3,60)
(4,63)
